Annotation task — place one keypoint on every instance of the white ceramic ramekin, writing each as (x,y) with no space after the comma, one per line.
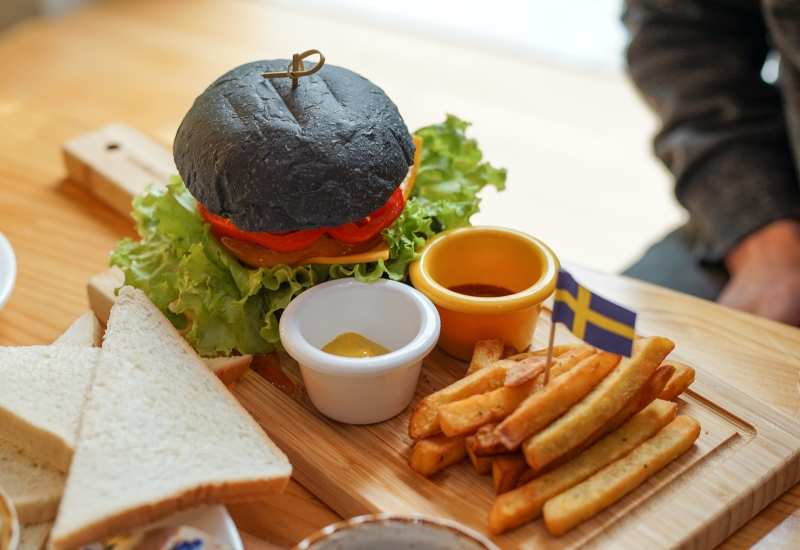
(362,390)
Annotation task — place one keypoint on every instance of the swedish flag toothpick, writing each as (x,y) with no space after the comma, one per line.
(591,318)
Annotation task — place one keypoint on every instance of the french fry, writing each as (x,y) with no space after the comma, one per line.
(508,351)
(525,503)
(679,383)
(486,442)
(483,464)
(599,406)
(557,350)
(506,470)
(541,408)
(649,393)
(424,421)
(530,474)
(469,414)
(431,455)
(525,371)
(485,353)
(588,498)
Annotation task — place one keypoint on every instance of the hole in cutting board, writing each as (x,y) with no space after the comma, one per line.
(112,146)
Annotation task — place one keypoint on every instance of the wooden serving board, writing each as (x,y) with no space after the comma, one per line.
(745,457)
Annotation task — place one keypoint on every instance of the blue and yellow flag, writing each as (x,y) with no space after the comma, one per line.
(591,318)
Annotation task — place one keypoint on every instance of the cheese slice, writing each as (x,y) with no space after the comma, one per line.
(408,184)
(378,252)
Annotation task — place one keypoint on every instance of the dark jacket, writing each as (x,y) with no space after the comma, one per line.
(731,140)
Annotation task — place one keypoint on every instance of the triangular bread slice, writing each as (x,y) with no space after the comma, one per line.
(42,394)
(85,331)
(33,485)
(160,433)
(102,296)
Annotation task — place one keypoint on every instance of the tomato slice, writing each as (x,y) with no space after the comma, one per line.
(294,241)
(285,243)
(358,232)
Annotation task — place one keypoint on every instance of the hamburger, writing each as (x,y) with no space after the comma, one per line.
(281,188)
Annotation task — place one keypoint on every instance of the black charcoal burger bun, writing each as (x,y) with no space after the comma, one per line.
(273,158)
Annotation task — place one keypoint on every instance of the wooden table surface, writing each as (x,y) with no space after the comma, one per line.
(141,63)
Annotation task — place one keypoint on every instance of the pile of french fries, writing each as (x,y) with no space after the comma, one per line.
(564,451)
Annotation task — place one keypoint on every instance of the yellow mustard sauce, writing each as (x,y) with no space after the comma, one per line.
(352,344)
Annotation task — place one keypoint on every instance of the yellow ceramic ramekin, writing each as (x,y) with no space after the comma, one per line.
(488,256)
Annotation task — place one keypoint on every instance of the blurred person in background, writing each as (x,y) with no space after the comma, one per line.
(732,141)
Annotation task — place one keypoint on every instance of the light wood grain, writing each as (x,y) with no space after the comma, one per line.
(62,236)
(286,519)
(101,290)
(746,456)
(115,163)
(761,358)
(578,144)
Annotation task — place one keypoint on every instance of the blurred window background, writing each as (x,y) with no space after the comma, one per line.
(542,81)
(580,34)
(12,11)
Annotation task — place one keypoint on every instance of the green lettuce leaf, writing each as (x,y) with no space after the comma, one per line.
(451,173)
(222,306)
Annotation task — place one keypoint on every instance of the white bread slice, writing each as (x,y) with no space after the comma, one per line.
(85,332)
(42,395)
(228,369)
(160,433)
(32,537)
(101,290)
(33,485)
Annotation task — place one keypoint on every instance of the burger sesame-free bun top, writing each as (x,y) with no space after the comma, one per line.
(273,158)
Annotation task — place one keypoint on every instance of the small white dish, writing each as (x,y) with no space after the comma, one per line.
(360,390)
(212,519)
(396,532)
(8,270)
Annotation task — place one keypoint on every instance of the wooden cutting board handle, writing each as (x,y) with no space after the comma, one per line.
(115,163)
